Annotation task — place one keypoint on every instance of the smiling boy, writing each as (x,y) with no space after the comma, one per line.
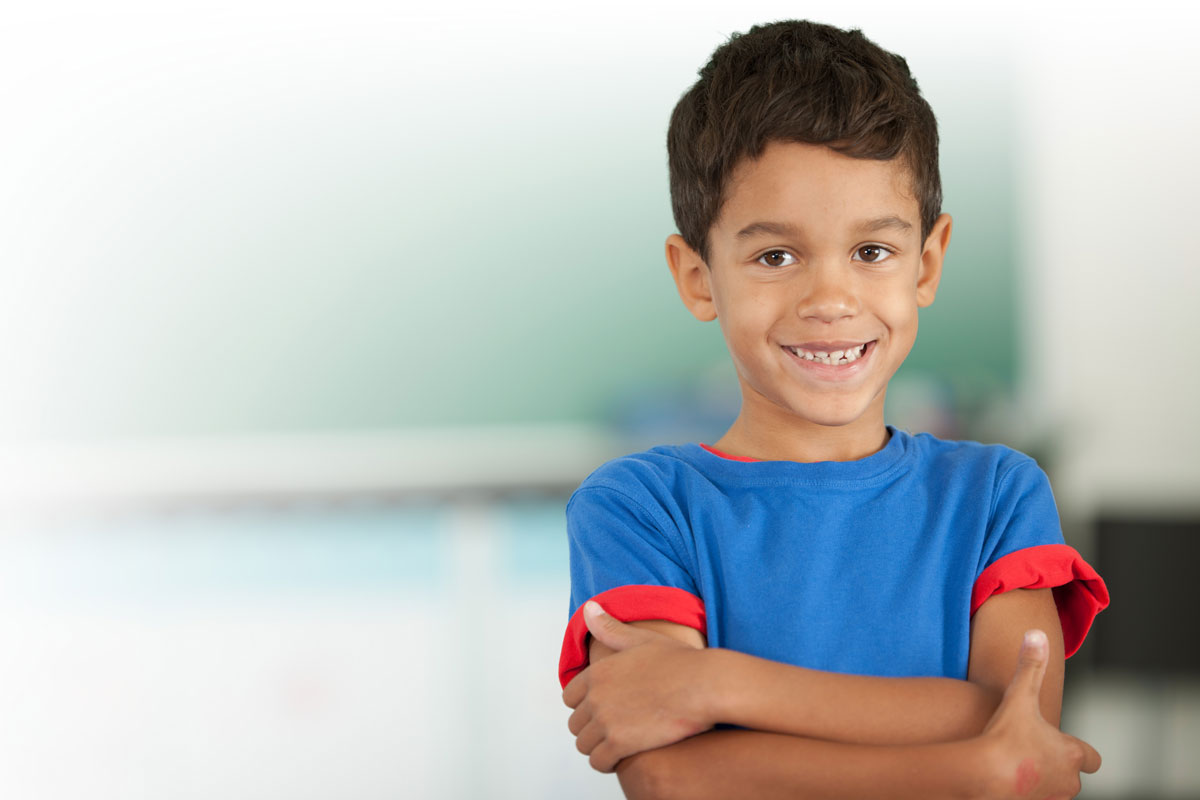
(854,598)
(815,329)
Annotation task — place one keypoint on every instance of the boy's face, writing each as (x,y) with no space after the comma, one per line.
(814,253)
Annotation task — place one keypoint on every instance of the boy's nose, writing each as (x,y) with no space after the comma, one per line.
(828,295)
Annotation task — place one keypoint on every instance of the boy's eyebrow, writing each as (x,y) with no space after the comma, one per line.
(891,221)
(787,229)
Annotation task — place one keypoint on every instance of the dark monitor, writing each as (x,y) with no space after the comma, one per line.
(1152,624)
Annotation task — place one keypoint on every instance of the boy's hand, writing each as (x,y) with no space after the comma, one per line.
(1030,758)
(648,694)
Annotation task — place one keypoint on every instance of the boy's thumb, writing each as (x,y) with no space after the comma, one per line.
(608,629)
(1031,664)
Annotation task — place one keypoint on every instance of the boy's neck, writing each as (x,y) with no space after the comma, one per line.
(806,442)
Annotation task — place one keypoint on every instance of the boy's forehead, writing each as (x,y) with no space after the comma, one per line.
(791,182)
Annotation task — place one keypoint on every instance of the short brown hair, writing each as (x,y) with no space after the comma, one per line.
(803,82)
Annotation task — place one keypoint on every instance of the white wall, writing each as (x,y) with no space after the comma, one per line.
(1111,258)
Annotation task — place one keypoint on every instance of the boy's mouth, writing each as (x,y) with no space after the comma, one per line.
(832,357)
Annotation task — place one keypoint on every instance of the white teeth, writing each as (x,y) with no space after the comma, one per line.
(836,357)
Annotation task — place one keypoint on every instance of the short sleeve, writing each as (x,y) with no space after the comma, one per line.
(630,558)
(1024,549)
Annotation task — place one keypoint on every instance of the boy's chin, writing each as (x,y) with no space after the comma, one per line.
(832,418)
(840,415)
(835,413)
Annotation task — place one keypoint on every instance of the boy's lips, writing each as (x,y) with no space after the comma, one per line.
(830,346)
(842,359)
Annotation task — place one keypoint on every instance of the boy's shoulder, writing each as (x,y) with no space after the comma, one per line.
(672,471)
(968,451)
(994,462)
(655,466)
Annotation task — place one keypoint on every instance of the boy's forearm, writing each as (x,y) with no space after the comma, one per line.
(723,764)
(771,696)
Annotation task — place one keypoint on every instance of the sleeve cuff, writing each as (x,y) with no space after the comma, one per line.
(628,604)
(1079,592)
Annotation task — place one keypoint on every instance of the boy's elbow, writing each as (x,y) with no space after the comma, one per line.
(646,776)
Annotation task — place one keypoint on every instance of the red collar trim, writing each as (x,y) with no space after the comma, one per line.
(717,452)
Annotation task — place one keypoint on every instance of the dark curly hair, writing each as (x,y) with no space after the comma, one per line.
(796,81)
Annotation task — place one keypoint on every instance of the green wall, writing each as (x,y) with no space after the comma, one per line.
(276,250)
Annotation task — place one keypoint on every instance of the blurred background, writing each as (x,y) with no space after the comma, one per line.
(313,314)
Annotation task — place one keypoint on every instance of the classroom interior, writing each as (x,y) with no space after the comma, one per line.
(311,317)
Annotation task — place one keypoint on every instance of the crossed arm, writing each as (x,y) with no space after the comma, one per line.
(649,709)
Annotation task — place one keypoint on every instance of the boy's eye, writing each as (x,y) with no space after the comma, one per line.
(872,254)
(777,258)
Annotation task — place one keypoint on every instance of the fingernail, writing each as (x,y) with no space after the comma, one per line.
(1035,639)
(593,608)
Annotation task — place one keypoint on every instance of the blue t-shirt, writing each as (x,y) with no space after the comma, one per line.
(872,566)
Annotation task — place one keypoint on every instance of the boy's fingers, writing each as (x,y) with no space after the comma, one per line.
(588,738)
(1091,759)
(603,759)
(578,721)
(1031,664)
(609,630)
(576,690)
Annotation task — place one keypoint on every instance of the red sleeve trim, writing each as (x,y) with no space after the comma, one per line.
(1079,592)
(629,604)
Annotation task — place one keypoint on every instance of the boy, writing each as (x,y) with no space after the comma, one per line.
(846,601)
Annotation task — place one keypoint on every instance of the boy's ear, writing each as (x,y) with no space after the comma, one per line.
(691,278)
(932,256)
